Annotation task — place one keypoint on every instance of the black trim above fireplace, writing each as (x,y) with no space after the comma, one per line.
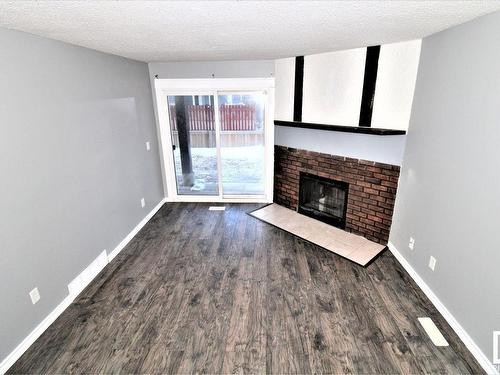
(298,88)
(304,208)
(340,128)
(369,82)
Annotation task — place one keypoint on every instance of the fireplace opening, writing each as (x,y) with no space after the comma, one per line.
(323,199)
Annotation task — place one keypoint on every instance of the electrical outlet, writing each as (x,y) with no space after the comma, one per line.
(148,146)
(35,296)
(143,202)
(432,263)
(411,244)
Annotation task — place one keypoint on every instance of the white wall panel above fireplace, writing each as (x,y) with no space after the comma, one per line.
(396,76)
(333,84)
(284,86)
(382,149)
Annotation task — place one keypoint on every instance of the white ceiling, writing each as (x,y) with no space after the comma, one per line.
(232,30)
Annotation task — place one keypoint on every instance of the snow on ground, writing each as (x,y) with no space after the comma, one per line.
(242,168)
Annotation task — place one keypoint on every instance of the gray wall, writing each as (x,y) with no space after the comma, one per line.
(73,166)
(448,196)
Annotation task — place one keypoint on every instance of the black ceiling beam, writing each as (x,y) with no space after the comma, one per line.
(369,82)
(298,88)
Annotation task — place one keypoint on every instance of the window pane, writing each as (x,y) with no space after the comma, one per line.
(192,123)
(242,143)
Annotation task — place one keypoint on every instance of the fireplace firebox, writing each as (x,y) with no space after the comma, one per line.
(323,199)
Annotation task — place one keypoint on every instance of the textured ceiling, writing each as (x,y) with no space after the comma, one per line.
(230,30)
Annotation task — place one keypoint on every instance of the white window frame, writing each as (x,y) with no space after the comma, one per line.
(214,87)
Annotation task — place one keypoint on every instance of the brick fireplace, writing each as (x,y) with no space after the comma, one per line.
(371,190)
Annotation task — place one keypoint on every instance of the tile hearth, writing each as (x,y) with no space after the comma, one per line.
(350,246)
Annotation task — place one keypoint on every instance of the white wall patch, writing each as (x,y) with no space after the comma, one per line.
(411,244)
(433,332)
(432,263)
(496,348)
(35,296)
(217,208)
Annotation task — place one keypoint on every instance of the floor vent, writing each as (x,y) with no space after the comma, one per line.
(433,332)
(217,208)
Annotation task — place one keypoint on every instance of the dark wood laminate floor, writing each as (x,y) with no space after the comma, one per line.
(222,292)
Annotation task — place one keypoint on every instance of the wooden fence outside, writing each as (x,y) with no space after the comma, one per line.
(232,117)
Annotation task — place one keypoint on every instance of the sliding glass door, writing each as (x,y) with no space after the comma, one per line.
(192,128)
(242,152)
(220,142)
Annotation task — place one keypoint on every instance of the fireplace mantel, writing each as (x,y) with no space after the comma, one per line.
(340,128)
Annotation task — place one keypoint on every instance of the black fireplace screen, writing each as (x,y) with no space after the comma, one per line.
(323,199)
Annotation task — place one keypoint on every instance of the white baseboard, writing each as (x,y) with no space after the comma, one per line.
(79,283)
(134,231)
(34,335)
(455,325)
(75,287)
